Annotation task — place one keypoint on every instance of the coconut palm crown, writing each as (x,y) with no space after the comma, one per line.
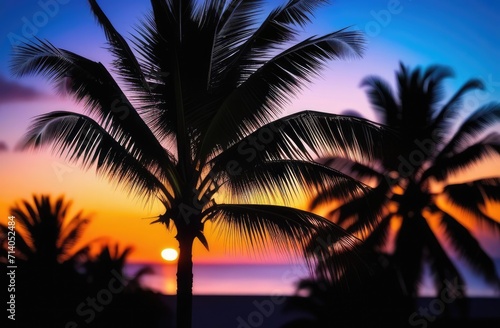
(192,121)
(46,236)
(414,195)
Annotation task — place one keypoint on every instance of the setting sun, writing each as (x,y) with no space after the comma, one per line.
(169,254)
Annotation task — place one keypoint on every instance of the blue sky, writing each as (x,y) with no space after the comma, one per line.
(458,33)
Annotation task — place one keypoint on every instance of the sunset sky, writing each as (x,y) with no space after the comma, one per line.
(462,34)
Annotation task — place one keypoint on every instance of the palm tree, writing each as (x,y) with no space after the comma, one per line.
(107,263)
(377,300)
(412,185)
(46,237)
(46,254)
(132,304)
(193,126)
(54,277)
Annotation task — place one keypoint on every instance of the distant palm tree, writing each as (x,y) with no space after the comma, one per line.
(54,277)
(377,300)
(45,235)
(132,304)
(434,144)
(195,128)
(46,254)
(108,262)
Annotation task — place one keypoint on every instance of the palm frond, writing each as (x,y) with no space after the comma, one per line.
(480,120)
(292,180)
(289,230)
(490,188)
(364,213)
(382,100)
(109,258)
(23,243)
(174,34)
(82,139)
(235,26)
(125,62)
(443,167)
(207,14)
(450,110)
(297,12)
(41,223)
(71,234)
(352,168)
(155,42)
(91,82)
(45,231)
(441,264)
(470,198)
(276,30)
(262,96)
(279,26)
(26,215)
(300,135)
(419,93)
(469,248)
(380,233)
(324,197)
(432,82)
(237,15)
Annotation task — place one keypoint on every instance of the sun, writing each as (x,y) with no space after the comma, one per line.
(169,254)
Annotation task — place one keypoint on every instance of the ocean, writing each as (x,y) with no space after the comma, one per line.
(270,279)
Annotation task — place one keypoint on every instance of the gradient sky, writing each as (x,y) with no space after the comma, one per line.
(460,33)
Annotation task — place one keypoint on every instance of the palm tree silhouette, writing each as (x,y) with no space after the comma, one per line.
(54,277)
(377,300)
(99,268)
(133,305)
(434,144)
(45,256)
(46,236)
(198,135)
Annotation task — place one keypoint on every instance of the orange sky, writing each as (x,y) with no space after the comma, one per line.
(116,214)
(119,216)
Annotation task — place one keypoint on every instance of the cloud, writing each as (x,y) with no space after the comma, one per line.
(3,147)
(11,91)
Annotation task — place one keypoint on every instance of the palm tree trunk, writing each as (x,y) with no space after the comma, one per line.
(185,282)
